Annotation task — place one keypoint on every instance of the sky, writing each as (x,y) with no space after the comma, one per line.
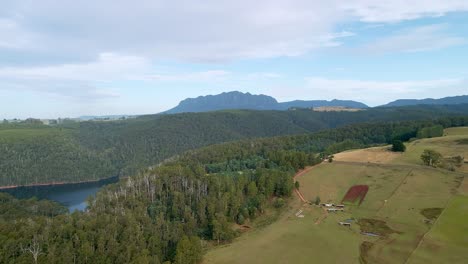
(70,58)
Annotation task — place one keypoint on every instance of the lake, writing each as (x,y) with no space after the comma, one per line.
(72,195)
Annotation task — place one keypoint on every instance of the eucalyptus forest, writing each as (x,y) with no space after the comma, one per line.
(170,212)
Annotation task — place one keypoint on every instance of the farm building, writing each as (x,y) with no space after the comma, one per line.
(335,210)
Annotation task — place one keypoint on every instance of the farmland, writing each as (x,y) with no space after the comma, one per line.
(355,194)
(402,196)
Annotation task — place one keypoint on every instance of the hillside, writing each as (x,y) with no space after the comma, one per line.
(463,99)
(322,103)
(238,100)
(412,213)
(215,193)
(83,151)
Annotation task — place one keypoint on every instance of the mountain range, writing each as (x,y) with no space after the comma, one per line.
(238,100)
(462,99)
(247,101)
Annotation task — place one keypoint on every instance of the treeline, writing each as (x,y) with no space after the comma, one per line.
(78,151)
(166,214)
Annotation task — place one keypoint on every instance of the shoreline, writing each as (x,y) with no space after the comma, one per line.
(8,187)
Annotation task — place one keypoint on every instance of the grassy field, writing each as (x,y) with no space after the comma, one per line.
(291,238)
(448,146)
(400,188)
(448,240)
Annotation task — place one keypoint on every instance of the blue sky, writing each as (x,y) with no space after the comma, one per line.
(72,58)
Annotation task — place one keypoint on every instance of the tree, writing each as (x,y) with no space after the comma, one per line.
(297,184)
(252,189)
(188,250)
(34,248)
(240,219)
(398,146)
(317,200)
(431,157)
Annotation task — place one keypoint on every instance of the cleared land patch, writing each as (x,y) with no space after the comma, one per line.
(357,193)
(372,155)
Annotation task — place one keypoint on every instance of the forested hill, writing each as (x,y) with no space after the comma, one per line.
(238,100)
(463,99)
(162,214)
(33,153)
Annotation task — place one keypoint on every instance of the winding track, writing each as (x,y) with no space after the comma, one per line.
(300,173)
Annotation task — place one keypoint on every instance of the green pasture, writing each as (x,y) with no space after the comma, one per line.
(398,192)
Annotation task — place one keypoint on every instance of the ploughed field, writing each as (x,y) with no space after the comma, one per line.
(411,213)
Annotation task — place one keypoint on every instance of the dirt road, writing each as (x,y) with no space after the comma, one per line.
(300,173)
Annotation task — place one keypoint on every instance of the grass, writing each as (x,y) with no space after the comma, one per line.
(402,195)
(293,240)
(447,242)
(377,227)
(431,213)
(450,145)
(463,141)
(456,131)
(364,249)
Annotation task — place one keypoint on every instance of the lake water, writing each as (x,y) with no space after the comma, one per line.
(72,196)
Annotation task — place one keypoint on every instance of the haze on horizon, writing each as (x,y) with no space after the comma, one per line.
(73,58)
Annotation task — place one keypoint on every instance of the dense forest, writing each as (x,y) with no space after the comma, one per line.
(72,152)
(168,213)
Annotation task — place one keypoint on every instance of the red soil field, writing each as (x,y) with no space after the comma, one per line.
(356,192)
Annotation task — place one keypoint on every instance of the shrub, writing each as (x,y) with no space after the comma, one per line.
(317,200)
(279,203)
(398,146)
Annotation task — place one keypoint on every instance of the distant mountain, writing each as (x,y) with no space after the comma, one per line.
(238,100)
(320,103)
(231,100)
(462,99)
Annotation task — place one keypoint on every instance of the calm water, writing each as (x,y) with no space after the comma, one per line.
(72,196)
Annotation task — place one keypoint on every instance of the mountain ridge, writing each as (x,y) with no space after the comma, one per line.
(248,101)
(450,100)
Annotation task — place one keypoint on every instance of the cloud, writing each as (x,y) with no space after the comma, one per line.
(374,92)
(74,81)
(401,10)
(208,31)
(107,66)
(416,39)
(202,76)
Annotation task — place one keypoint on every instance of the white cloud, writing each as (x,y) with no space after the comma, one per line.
(203,31)
(423,38)
(107,66)
(374,92)
(376,11)
(75,81)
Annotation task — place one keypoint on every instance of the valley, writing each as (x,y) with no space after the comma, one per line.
(33,153)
